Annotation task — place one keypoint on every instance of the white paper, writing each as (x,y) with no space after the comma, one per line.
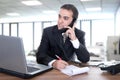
(74,70)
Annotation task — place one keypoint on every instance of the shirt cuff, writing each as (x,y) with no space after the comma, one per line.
(75,43)
(51,62)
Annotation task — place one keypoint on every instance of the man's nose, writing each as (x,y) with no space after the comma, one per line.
(60,20)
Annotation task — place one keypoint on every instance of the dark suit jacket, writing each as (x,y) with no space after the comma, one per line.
(51,45)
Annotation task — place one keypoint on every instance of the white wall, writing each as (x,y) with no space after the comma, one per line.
(118,22)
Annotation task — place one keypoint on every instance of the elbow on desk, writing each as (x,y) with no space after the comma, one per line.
(85,60)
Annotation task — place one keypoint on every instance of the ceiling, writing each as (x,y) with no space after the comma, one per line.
(7,6)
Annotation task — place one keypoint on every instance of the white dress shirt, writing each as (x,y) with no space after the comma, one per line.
(76,45)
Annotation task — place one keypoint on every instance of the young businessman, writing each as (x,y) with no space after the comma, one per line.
(53,50)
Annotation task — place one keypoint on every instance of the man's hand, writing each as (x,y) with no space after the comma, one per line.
(71,32)
(59,64)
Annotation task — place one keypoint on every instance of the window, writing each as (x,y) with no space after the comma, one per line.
(26,33)
(47,24)
(6,29)
(86,28)
(14,29)
(77,25)
(38,34)
(54,23)
(0,29)
(101,29)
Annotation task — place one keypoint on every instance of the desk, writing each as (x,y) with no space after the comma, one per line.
(94,74)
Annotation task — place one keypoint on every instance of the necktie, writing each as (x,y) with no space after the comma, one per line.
(64,37)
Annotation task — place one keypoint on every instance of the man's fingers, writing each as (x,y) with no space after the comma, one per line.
(65,63)
(60,64)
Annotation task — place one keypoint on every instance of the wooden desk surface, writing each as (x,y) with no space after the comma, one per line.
(94,74)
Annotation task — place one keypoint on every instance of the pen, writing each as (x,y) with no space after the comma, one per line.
(58,57)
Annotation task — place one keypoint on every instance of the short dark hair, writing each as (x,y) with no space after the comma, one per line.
(72,8)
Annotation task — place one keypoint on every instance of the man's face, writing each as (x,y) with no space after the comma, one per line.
(64,18)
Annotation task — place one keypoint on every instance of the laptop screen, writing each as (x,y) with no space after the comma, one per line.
(13,59)
(12,54)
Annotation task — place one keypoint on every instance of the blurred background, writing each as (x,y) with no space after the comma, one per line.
(98,18)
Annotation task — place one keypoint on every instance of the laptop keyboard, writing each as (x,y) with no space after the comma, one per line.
(32,69)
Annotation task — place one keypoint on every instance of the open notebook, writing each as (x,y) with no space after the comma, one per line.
(71,70)
(13,60)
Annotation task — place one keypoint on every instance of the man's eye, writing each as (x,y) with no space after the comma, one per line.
(66,18)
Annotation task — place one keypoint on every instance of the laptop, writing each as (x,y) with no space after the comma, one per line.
(13,60)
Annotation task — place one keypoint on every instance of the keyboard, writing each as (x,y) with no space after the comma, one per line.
(32,69)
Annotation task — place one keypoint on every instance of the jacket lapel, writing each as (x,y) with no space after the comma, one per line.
(57,37)
(58,40)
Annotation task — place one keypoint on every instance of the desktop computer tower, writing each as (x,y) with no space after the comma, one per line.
(113,48)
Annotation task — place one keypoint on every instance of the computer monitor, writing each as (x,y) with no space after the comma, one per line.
(113,48)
